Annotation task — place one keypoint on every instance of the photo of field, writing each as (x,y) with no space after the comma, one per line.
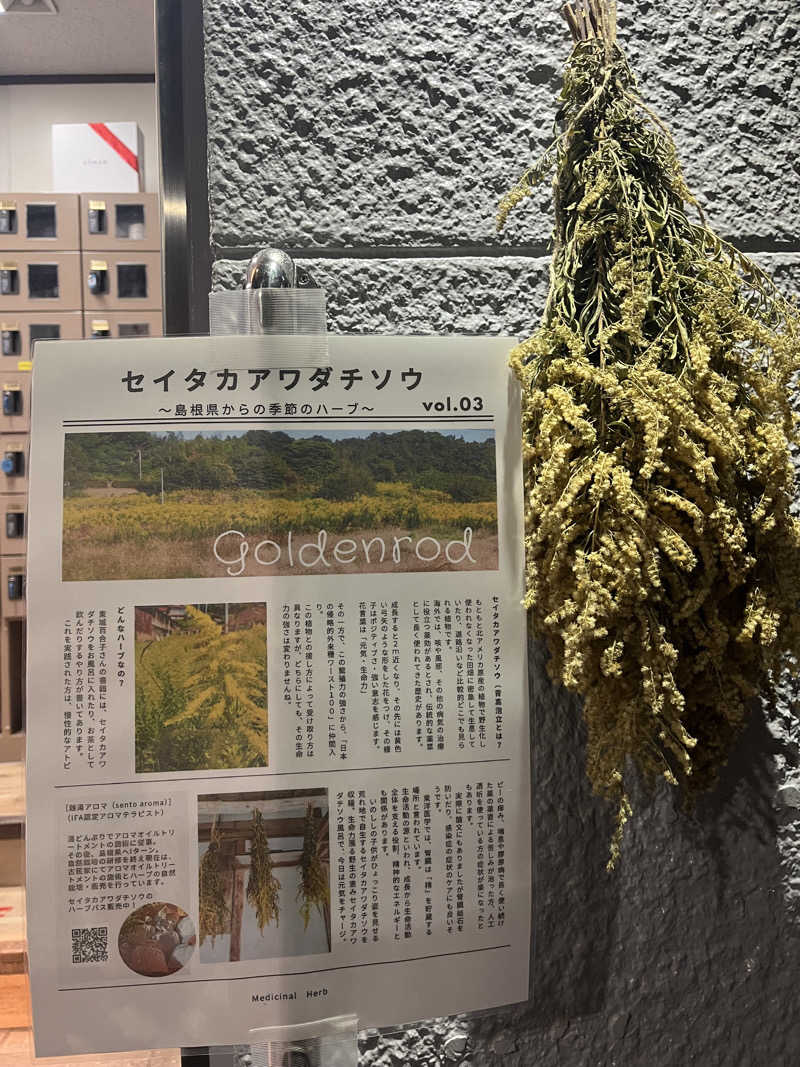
(201,687)
(261,502)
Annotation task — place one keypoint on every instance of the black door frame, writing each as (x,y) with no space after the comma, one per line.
(180,86)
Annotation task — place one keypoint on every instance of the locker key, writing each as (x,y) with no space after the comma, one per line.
(12,463)
(15,524)
(16,586)
(97,216)
(10,341)
(12,401)
(98,278)
(9,281)
(8,218)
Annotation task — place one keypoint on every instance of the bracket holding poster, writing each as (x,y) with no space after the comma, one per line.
(278,743)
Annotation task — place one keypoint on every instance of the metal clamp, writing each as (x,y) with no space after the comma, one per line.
(324,1043)
(278,298)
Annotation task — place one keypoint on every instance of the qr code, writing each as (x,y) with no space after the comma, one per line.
(90,944)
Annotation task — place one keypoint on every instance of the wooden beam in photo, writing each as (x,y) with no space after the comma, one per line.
(244,828)
(243,804)
(291,855)
(326,911)
(281,857)
(237,910)
(281,861)
(227,893)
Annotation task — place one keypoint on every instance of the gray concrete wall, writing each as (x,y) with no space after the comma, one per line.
(374,140)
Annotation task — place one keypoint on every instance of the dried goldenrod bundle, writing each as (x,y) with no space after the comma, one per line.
(663,563)
(314,889)
(263,887)
(213,913)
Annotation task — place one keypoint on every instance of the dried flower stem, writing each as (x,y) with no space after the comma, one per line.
(314,889)
(592,18)
(263,888)
(213,913)
(663,560)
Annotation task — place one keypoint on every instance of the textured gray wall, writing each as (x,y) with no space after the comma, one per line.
(374,139)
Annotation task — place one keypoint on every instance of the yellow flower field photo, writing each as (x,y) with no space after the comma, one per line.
(201,687)
(257,502)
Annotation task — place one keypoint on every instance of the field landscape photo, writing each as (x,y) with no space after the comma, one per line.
(259,502)
(201,687)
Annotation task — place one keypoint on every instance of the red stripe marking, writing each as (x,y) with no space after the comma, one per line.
(111,139)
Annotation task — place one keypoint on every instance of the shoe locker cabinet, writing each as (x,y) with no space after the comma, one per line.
(71,266)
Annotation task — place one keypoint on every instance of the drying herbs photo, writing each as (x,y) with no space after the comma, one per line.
(263,888)
(264,875)
(663,558)
(214,911)
(201,687)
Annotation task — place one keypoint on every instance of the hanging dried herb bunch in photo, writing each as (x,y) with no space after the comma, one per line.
(213,912)
(314,889)
(663,563)
(263,887)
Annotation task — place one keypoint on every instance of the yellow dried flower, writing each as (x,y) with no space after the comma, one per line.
(263,888)
(314,889)
(214,916)
(663,564)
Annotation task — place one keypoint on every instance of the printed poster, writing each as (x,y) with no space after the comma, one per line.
(278,752)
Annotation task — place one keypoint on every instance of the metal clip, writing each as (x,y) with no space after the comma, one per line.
(278,297)
(272,268)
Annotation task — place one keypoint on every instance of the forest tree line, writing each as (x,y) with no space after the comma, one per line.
(274,461)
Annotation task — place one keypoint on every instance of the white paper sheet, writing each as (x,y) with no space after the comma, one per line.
(276,612)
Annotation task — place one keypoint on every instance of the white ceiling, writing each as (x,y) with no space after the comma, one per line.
(85,37)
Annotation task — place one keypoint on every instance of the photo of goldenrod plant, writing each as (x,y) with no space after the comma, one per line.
(201,687)
(263,874)
(217,504)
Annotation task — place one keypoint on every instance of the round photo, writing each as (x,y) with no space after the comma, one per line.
(157,939)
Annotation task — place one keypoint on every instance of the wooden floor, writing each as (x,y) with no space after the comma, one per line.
(13,956)
(16,1050)
(16,1039)
(12,913)
(12,792)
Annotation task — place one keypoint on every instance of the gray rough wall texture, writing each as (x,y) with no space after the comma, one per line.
(374,139)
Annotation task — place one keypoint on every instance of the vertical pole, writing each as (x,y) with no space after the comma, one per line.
(162,485)
(326,913)
(183,140)
(237,910)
